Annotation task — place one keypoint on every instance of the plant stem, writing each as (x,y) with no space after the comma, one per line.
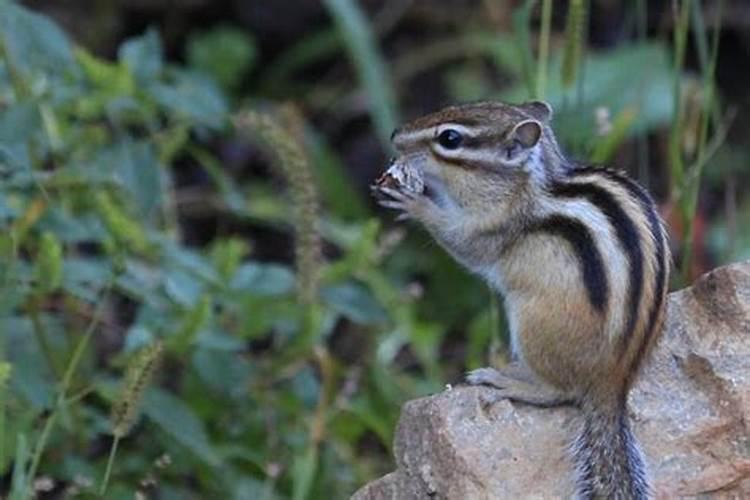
(521,20)
(64,386)
(9,255)
(677,167)
(541,68)
(41,336)
(110,462)
(692,183)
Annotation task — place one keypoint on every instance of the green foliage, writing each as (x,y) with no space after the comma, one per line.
(225,53)
(89,209)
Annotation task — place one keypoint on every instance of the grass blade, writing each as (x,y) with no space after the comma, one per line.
(521,21)
(689,201)
(372,71)
(677,167)
(543,61)
(574,38)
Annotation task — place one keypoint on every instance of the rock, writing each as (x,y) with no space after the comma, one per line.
(690,410)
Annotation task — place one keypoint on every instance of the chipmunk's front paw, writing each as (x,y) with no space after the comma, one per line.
(411,205)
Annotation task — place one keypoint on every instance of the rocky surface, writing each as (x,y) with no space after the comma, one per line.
(690,410)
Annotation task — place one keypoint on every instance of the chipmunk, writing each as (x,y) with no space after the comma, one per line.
(579,254)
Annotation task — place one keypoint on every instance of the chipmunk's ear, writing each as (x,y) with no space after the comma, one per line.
(527,133)
(539,110)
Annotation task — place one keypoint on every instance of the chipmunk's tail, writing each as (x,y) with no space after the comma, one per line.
(609,463)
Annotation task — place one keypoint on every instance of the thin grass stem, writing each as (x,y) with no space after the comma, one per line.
(543,61)
(110,463)
(64,387)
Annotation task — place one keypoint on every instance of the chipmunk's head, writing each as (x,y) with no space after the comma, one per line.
(481,153)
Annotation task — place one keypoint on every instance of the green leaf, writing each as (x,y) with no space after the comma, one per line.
(138,336)
(181,257)
(33,44)
(85,277)
(71,227)
(224,52)
(227,254)
(49,263)
(18,480)
(19,123)
(303,473)
(31,377)
(183,287)
(136,167)
(223,371)
(355,302)
(521,21)
(179,421)
(246,487)
(143,55)
(575,25)
(609,82)
(115,78)
(193,97)
(263,279)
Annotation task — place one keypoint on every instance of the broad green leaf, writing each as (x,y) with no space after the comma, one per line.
(219,341)
(610,82)
(224,52)
(355,302)
(176,419)
(143,55)
(175,256)
(183,287)
(72,227)
(223,371)
(33,45)
(263,279)
(19,123)
(143,282)
(135,166)
(84,278)
(192,321)
(306,387)
(193,97)
(113,77)
(138,336)
(31,377)
(245,488)
(227,255)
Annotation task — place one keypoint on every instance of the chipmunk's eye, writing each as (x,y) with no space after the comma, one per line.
(450,139)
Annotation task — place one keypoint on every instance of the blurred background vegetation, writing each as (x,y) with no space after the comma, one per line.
(198,298)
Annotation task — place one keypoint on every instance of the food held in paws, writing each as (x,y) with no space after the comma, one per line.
(402,176)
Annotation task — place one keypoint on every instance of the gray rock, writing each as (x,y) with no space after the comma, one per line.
(690,410)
